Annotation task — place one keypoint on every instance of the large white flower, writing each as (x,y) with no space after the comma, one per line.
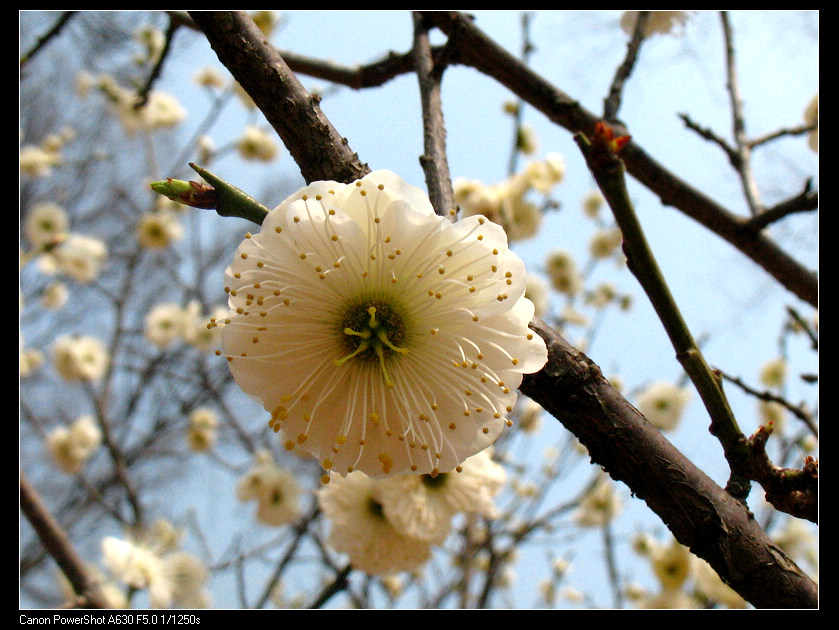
(380,336)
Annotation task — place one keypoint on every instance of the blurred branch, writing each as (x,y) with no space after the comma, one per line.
(807,327)
(57,543)
(299,530)
(526,50)
(44,39)
(806,201)
(798,130)
(338,584)
(476,49)
(143,94)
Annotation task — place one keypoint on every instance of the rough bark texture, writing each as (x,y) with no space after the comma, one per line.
(700,514)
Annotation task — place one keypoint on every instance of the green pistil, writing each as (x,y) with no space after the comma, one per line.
(373,337)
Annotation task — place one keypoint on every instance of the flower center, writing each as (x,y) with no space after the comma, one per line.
(433,482)
(372,332)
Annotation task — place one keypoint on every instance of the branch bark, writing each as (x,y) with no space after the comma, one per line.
(320,152)
(699,513)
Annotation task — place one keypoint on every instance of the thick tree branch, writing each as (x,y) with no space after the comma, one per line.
(700,514)
(311,139)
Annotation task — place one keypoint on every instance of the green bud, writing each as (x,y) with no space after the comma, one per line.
(192,194)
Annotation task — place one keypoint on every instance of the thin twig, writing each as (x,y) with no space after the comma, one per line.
(612,103)
(299,530)
(143,94)
(338,584)
(612,565)
(744,162)
(433,160)
(711,135)
(806,201)
(798,130)
(46,37)
(526,50)
(799,411)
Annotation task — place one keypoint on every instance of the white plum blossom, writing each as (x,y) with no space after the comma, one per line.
(209,77)
(158,230)
(422,506)
(161,111)
(604,242)
(31,360)
(256,144)
(80,257)
(165,323)
(536,290)
(152,561)
(201,432)
(671,564)
(46,223)
(380,336)
(36,161)
(79,357)
(773,373)
(592,203)
(360,528)
(563,272)
(543,175)
(662,403)
(275,491)
(54,296)
(599,505)
(811,117)
(662,22)
(71,447)
(203,332)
